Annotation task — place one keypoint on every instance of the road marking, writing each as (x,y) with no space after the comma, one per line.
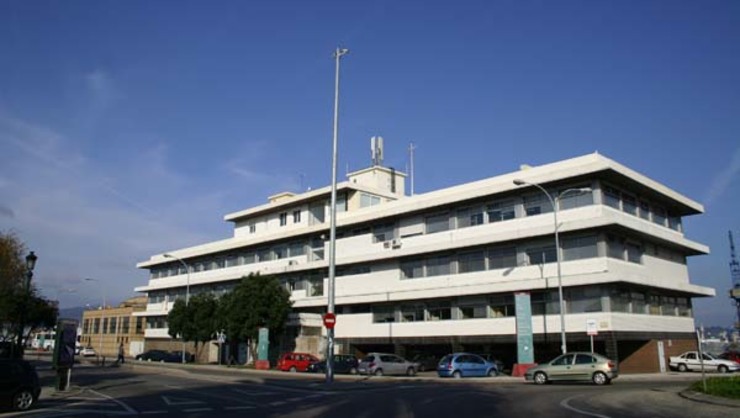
(565,405)
(153,412)
(121,403)
(234,408)
(278,403)
(253,392)
(197,410)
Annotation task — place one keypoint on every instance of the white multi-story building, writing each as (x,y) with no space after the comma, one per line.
(437,272)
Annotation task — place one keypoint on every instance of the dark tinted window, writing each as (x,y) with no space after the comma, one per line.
(584,359)
(369,359)
(563,360)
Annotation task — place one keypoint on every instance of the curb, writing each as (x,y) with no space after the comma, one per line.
(708,399)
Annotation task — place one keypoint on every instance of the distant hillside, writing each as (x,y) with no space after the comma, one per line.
(72,313)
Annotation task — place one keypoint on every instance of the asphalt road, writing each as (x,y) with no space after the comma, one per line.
(172,392)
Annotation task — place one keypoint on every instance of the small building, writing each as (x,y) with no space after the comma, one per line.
(106,328)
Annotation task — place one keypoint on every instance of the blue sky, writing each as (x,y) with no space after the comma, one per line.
(129,128)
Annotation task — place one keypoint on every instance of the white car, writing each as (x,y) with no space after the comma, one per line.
(690,361)
(87,352)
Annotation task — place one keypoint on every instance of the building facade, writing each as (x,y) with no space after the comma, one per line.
(106,328)
(437,272)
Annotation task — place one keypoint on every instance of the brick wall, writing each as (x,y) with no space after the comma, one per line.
(644,358)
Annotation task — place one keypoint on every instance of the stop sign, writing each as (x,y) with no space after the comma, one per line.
(329,320)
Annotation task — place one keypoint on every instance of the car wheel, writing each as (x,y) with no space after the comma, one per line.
(292,369)
(456,374)
(353,370)
(492,373)
(378,372)
(540,378)
(600,378)
(682,368)
(148,359)
(23,400)
(410,371)
(161,361)
(723,369)
(422,368)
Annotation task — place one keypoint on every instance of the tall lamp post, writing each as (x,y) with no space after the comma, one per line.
(102,313)
(338,53)
(187,294)
(554,203)
(30,265)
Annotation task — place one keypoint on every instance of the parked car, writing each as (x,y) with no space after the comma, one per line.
(426,361)
(730,355)
(459,365)
(189,358)
(500,365)
(690,361)
(575,366)
(159,355)
(87,352)
(295,362)
(381,364)
(19,384)
(342,364)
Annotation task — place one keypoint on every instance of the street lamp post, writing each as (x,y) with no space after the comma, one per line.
(333,222)
(30,265)
(102,313)
(187,294)
(554,203)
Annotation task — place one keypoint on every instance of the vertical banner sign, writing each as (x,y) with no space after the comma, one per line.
(263,344)
(524,340)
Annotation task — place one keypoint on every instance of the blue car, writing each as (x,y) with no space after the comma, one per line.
(459,365)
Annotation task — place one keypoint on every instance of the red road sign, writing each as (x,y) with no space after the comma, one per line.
(329,320)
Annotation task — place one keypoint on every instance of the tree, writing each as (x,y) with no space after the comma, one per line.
(195,322)
(20,306)
(257,301)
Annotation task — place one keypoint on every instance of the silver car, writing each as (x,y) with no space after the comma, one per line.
(380,364)
(575,366)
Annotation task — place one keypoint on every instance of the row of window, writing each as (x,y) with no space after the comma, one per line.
(111,325)
(577,300)
(629,203)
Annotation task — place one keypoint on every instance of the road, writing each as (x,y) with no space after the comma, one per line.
(193,392)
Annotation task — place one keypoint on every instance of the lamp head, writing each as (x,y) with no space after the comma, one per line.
(31,261)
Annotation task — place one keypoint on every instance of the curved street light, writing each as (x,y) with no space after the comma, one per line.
(554,203)
(187,293)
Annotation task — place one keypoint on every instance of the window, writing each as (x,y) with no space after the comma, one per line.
(614,247)
(113,323)
(438,266)
(248,258)
(473,311)
(575,199)
(264,254)
(469,217)
(252,228)
(659,216)
(674,222)
(341,203)
(283,219)
(638,303)
(564,360)
(629,204)
(296,216)
(296,249)
(412,269)
(611,197)
(644,210)
(584,300)
(382,233)
(105,325)
(502,306)
(654,305)
(437,223)
(499,258)
(412,313)
(368,200)
(684,307)
(383,314)
(439,311)
(634,253)
(281,251)
(470,262)
(577,248)
(668,305)
(231,260)
(620,300)
(541,255)
(536,204)
(500,211)
(584,359)
(315,286)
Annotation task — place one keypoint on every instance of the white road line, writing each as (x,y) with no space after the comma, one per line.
(253,392)
(153,412)
(565,405)
(121,403)
(197,410)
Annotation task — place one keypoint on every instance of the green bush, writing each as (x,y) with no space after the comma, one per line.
(726,387)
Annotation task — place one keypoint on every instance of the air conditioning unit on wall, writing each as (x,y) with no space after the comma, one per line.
(396,243)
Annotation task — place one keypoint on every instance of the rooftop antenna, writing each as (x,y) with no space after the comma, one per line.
(412,147)
(376,150)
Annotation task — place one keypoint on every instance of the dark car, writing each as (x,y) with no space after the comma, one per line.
(426,361)
(19,384)
(159,355)
(343,364)
(189,358)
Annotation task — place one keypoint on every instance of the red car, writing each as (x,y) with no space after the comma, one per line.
(731,355)
(295,362)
